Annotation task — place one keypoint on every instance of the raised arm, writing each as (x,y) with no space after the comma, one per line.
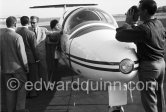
(131,34)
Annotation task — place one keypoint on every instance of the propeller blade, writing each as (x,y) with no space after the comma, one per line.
(63,5)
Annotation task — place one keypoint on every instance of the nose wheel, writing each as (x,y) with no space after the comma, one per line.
(115,109)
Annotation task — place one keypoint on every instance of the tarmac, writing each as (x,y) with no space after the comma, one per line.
(78,100)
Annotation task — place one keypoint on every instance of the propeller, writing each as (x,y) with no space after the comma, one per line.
(63,5)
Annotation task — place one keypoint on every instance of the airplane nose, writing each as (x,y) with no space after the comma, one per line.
(100,53)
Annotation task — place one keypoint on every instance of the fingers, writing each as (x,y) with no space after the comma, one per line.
(130,12)
(129,16)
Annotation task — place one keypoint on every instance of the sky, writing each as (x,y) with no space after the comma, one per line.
(21,7)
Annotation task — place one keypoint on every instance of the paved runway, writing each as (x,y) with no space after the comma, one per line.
(78,101)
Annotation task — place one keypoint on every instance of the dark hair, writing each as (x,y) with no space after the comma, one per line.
(35,17)
(149,5)
(24,20)
(11,21)
(53,23)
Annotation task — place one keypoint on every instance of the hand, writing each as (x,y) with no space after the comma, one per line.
(37,61)
(132,15)
(26,69)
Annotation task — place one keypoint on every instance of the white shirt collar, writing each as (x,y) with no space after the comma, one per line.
(25,26)
(35,28)
(12,29)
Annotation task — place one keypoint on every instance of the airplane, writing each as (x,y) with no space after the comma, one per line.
(89,47)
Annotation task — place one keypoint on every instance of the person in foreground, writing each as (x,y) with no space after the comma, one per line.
(14,66)
(149,38)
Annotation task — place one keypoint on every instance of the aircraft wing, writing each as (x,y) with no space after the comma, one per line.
(63,5)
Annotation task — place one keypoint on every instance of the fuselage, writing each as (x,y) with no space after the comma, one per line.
(89,47)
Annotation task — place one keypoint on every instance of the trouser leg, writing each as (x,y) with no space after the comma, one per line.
(11,96)
(55,67)
(21,97)
(43,69)
(33,72)
(15,91)
(57,76)
(160,99)
(152,95)
(148,96)
(11,100)
(160,92)
(49,59)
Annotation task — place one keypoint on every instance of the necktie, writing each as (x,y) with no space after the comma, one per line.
(35,32)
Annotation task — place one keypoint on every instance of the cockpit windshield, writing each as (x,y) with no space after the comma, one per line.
(85,15)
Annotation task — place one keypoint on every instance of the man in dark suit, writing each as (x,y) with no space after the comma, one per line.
(14,66)
(30,42)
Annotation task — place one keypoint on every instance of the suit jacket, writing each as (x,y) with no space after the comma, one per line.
(30,42)
(41,37)
(13,55)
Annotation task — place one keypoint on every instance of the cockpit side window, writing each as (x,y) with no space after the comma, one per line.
(110,19)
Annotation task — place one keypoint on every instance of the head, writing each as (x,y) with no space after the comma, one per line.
(54,25)
(24,20)
(34,21)
(147,8)
(11,22)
